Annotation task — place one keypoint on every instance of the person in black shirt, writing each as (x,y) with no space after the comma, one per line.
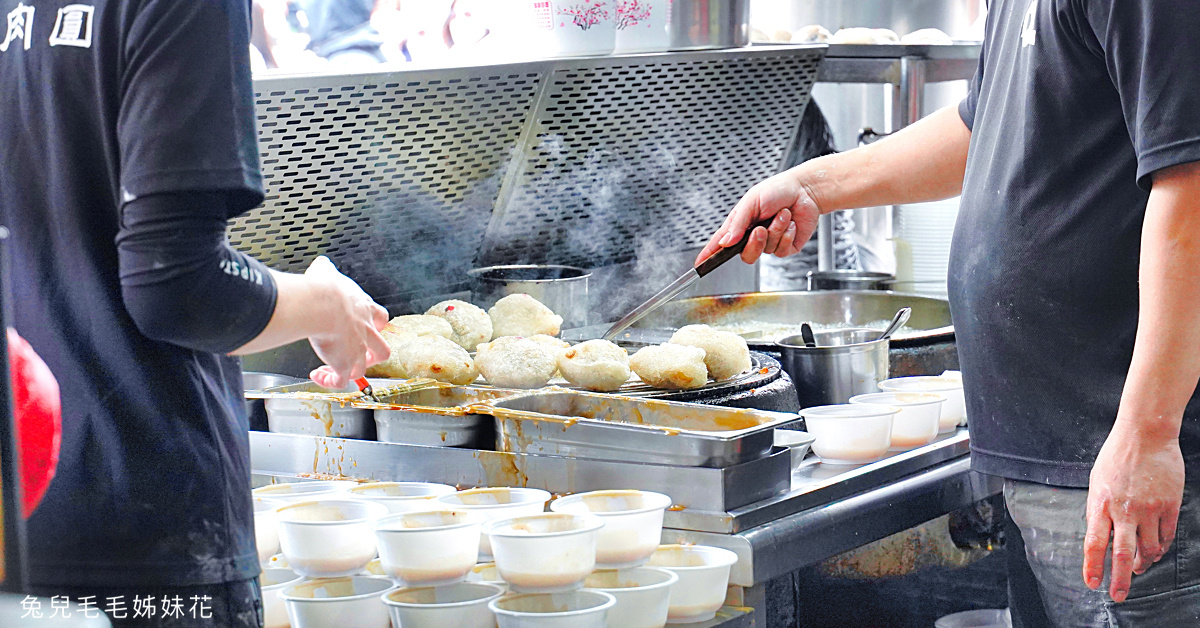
(1072,286)
(127,131)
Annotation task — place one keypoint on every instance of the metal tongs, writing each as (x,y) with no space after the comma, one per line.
(685,281)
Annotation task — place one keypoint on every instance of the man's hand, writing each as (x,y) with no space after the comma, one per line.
(922,162)
(1134,496)
(1137,482)
(781,196)
(352,342)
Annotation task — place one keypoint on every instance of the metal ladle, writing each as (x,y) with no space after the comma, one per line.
(898,321)
(806,332)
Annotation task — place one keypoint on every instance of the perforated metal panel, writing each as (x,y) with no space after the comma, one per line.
(379,172)
(409,179)
(634,153)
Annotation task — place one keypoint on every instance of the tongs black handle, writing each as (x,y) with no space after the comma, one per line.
(724,255)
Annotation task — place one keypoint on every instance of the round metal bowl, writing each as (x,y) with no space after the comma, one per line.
(563,289)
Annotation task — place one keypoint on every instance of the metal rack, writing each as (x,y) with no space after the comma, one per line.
(908,69)
(409,178)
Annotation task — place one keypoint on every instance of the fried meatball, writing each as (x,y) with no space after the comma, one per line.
(927,37)
(515,362)
(670,366)
(725,353)
(856,35)
(595,365)
(523,315)
(420,325)
(470,324)
(811,34)
(429,356)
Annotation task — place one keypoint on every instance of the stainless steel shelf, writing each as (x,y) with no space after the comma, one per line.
(784,545)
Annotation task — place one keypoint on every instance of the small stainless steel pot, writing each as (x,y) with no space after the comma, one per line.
(846,362)
(563,289)
(709,24)
(849,280)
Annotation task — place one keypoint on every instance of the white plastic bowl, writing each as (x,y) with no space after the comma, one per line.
(353,601)
(850,433)
(266,533)
(486,572)
(546,553)
(643,595)
(954,411)
(916,424)
(573,609)
(703,579)
(797,442)
(304,491)
(633,523)
(403,496)
(428,549)
(328,538)
(463,605)
(493,504)
(272,582)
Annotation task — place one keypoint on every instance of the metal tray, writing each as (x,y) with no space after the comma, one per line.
(438,417)
(255,382)
(608,427)
(957,50)
(306,408)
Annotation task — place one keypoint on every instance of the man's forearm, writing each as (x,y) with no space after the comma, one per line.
(923,162)
(1166,359)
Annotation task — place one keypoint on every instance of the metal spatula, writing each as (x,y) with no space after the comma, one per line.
(684,282)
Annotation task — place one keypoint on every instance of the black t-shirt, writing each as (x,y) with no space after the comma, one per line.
(1076,104)
(100,104)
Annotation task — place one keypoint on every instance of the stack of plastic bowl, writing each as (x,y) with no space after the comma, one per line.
(400,497)
(642,595)
(916,423)
(850,433)
(274,581)
(328,538)
(462,605)
(546,553)
(572,609)
(703,579)
(428,549)
(582,565)
(633,522)
(348,601)
(304,491)
(954,411)
(266,531)
(493,504)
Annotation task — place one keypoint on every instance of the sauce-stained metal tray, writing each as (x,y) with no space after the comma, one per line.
(438,416)
(610,427)
(306,408)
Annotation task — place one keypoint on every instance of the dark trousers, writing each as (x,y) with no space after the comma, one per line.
(225,605)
